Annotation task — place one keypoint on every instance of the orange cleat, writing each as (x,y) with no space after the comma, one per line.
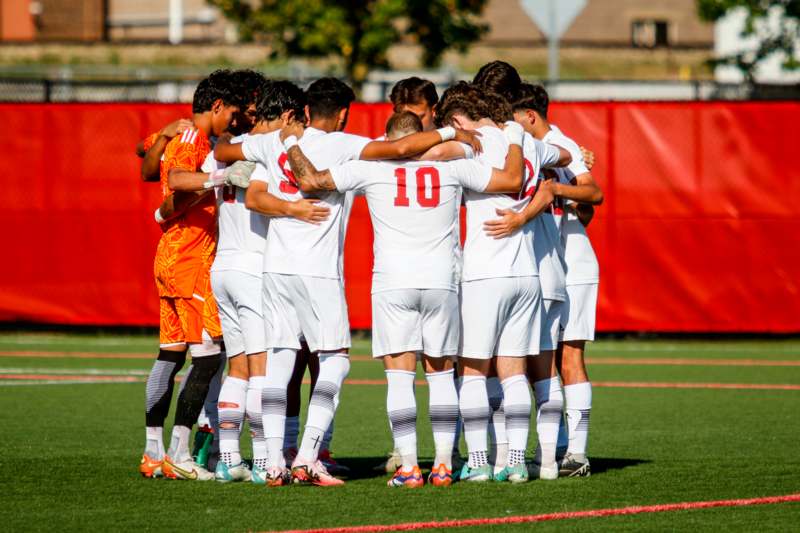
(313,474)
(441,476)
(412,479)
(149,467)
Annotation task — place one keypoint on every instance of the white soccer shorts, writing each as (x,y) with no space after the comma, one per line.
(305,306)
(238,296)
(552,318)
(500,316)
(415,320)
(580,310)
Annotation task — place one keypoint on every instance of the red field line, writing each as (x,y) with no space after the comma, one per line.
(525,519)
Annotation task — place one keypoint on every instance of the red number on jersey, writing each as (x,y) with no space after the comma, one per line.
(424,199)
(529,184)
(229,194)
(401,200)
(289,184)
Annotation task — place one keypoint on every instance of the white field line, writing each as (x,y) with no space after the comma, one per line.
(75,371)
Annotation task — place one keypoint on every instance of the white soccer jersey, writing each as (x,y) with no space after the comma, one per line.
(581,261)
(293,246)
(242,233)
(484,256)
(414,211)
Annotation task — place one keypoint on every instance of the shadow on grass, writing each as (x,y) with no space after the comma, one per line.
(601,465)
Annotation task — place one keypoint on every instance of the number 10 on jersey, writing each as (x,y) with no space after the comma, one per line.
(426,177)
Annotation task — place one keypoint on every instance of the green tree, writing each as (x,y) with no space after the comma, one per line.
(771,38)
(358,31)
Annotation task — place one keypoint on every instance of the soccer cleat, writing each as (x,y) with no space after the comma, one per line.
(514,474)
(480,474)
(547,472)
(149,467)
(574,465)
(313,474)
(258,475)
(202,445)
(412,479)
(331,465)
(391,464)
(185,470)
(226,474)
(440,476)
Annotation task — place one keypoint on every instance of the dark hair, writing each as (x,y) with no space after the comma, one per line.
(219,85)
(328,96)
(499,77)
(250,84)
(499,108)
(413,90)
(530,96)
(403,122)
(279,96)
(465,98)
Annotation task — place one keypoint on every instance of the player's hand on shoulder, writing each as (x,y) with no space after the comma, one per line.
(239,173)
(509,222)
(295,127)
(309,210)
(470,137)
(176,128)
(588,157)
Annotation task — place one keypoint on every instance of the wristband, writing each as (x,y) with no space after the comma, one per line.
(289,141)
(447,133)
(158,216)
(514,133)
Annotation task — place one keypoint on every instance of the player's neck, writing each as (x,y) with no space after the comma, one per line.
(540,128)
(328,124)
(202,121)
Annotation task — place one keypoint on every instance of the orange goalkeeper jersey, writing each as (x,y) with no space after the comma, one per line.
(189,242)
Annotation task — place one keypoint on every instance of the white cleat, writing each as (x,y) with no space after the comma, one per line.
(546,472)
(188,470)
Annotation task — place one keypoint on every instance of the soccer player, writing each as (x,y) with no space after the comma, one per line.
(417,96)
(185,251)
(302,273)
(575,184)
(414,209)
(236,280)
(500,290)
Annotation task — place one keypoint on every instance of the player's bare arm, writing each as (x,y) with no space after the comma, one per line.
(179,202)
(308,177)
(418,143)
(511,221)
(228,152)
(510,177)
(259,199)
(151,163)
(564,158)
(237,174)
(446,151)
(588,157)
(585,190)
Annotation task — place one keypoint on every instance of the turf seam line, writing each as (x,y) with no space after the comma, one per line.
(524,519)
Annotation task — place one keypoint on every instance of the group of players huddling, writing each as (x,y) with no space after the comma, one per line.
(257,190)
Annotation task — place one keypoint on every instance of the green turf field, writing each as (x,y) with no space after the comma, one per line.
(71,450)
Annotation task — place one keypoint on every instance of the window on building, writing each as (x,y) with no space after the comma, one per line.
(649,33)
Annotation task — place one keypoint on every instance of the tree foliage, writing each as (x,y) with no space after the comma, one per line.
(358,31)
(772,39)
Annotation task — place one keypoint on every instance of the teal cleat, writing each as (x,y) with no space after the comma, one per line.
(225,474)
(479,475)
(513,474)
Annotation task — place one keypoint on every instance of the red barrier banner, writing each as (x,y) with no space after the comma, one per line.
(699,232)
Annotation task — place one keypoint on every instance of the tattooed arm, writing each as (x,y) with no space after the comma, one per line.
(308,177)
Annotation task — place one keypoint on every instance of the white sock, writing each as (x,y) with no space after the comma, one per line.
(280,363)
(517,408)
(154,445)
(498,440)
(254,419)
(401,406)
(578,398)
(231,407)
(179,444)
(333,368)
(549,402)
(326,440)
(474,406)
(443,402)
